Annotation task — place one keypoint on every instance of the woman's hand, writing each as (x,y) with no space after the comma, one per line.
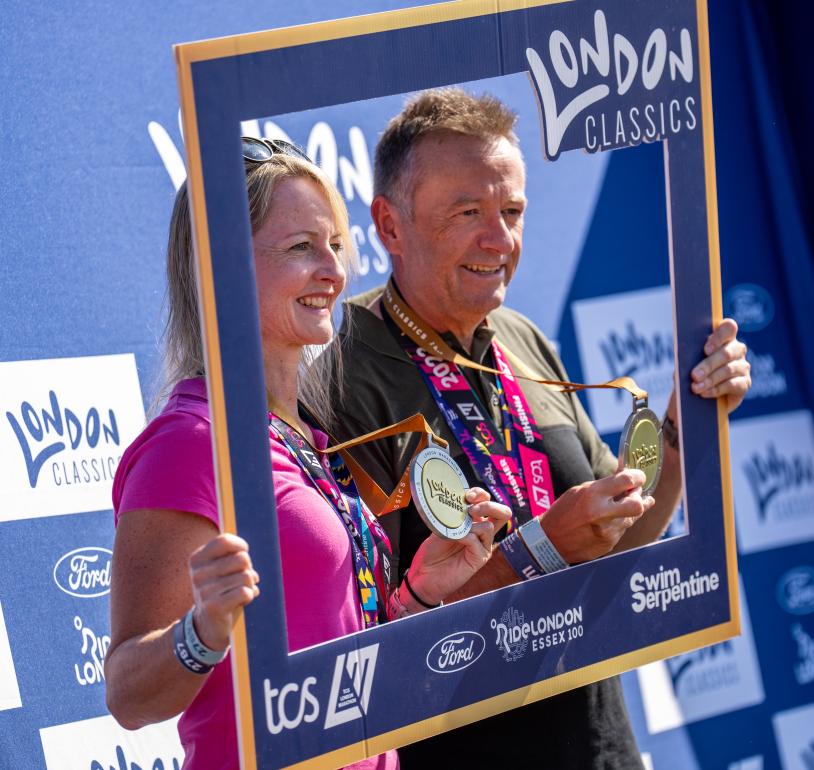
(223,582)
(442,566)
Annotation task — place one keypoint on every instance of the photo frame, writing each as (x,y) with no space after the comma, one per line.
(590,63)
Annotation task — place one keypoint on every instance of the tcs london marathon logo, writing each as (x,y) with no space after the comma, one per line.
(626,334)
(64,424)
(773,478)
(704,683)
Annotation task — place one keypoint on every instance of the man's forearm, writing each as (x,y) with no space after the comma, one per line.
(496,573)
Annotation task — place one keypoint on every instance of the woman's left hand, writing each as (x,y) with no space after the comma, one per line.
(442,566)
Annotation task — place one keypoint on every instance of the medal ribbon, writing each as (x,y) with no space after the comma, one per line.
(423,335)
(365,532)
(516,472)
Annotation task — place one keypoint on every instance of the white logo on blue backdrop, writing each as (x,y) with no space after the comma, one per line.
(804,665)
(84,572)
(625,334)
(795,590)
(351,685)
(773,477)
(794,731)
(702,684)
(9,689)
(99,744)
(64,424)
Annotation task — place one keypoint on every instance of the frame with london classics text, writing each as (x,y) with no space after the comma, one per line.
(591,64)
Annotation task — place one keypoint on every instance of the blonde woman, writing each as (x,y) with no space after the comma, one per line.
(177,583)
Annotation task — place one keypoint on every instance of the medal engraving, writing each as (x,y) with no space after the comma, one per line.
(438,486)
(641,444)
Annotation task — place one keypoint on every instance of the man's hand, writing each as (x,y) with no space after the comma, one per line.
(587,521)
(725,370)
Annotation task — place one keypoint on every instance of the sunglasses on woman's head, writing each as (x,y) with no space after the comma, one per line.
(261,150)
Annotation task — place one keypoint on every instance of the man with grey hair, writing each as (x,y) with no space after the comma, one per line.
(448,207)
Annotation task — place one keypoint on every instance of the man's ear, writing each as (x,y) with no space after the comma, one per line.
(388,218)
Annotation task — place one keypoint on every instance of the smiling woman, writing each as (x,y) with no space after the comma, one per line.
(178,586)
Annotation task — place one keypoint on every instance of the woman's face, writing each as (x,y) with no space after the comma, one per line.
(299,266)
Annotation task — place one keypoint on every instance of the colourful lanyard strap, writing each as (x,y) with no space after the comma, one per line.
(364,531)
(508,459)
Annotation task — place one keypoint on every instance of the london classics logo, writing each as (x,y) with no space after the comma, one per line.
(773,480)
(660,589)
(84,572)
(49,430)
(513,632)
(771,472)
(627,334)
(287,707)
(101,744)
(64,424)
(795,591)
(351,685)
(603,64)
(704,683)
(455,652)
(750,305)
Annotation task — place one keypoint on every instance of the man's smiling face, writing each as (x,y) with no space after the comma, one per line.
(460,242)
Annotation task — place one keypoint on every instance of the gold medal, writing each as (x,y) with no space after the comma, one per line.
(641,444)
(438,487)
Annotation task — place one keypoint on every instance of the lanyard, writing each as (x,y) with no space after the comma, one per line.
(509,458)
(513,466)
(364,531)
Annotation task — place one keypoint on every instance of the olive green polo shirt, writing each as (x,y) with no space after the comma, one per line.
(381,386)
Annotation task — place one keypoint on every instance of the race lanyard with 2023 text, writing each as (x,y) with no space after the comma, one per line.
(509,460)
(515,469)
(335,483)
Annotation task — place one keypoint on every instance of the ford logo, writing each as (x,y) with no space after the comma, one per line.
(750,305)
(455,652)
(84,572)
(795,591)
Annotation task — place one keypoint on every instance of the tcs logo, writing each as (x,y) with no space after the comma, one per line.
(290,706)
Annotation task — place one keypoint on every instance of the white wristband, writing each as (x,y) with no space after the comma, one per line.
(541,548)
(197,648)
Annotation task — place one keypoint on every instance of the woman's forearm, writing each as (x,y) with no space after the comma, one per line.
(146,683)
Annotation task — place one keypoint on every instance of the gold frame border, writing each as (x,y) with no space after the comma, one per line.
(187,54)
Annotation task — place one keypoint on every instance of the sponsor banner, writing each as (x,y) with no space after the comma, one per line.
(455,652)
(804,664)
(750,763)
(768,379)
(64,424)
(351,686)
(750,305)
(660,590)
(100,744)
(773,478)
(84,572)
(626,334)
(794,731)
(795,590)
(9,689)
(702,684)
(515,636)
